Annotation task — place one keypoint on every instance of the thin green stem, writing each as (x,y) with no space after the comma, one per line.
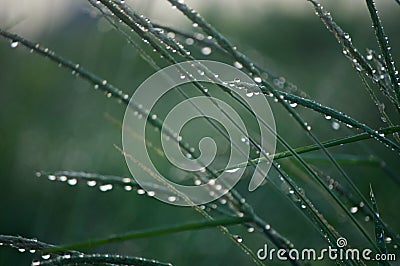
(101,259)
(383,42)
(155,232)
(315,147)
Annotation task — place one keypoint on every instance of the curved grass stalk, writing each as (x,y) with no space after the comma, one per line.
(315,147)
(94,179)
(69,256)
(380,106)
(32,245)
(348,159)
(383,42)
(108,182)
(357,59)
(100,259)
(155,232)
(379,232)
(355,203)
(383,75)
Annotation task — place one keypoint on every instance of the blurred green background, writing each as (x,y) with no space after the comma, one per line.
(51,120)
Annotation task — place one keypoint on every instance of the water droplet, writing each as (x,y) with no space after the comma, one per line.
(63,178)
(72,181)
(249,94)
(32,251)
(154,116)
(257,79)
(195,25)
(52,177)
(303,206)
(171,35)
(22,250)
(238,65)
(293,105)
(197,182)
(388,239)
(96,86)
(35,263)
(354,209)
(328,117)
(189,41)
(367,218)
(151,193)
(105,187)
(238,238)
(369,57)
(206,50)
(46,256)
(141,191)
(171,198)
(91,183)
(335,125)
(14,44)
(267,227)
(104,82)
(128,188)
(250,229)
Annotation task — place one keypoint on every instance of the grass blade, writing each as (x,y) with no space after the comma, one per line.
(383,42)
(100,259)
(156,232)
(379,232)
(27,244)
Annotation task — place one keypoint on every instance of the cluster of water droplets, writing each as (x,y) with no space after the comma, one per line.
(126,183)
